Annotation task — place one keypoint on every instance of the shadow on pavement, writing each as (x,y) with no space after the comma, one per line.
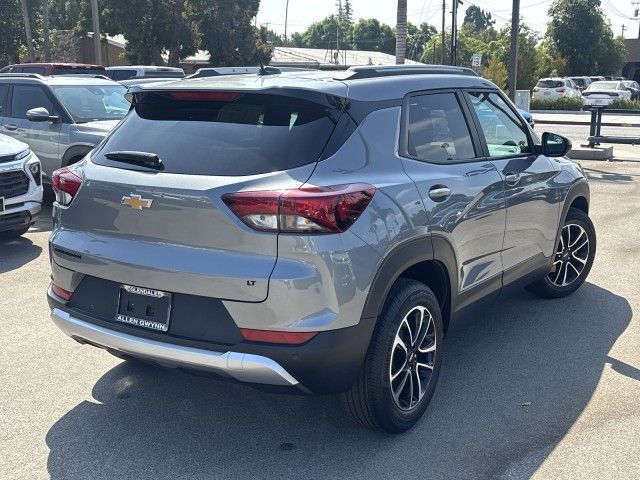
(512,385)
(14,253)
(604,176)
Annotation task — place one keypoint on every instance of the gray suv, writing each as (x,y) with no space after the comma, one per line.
(61,118)
(313,232)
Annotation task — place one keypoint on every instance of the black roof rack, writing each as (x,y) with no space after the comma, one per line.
(375,71)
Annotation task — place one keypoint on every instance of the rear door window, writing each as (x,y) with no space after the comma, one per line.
(4,89)
(223,133)
(79,71)
(437,130)
(38,70)
(26,97)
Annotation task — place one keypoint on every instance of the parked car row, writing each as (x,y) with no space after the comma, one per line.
(594,91)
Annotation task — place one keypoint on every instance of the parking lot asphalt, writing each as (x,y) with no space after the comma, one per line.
(549,389)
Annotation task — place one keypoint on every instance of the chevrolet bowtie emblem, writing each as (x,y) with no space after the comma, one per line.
(136,202)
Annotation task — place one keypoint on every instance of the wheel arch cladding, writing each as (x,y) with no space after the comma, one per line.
(577,197)
(415,259)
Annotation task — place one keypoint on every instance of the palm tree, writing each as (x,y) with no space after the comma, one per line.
(401,32)
(27,29)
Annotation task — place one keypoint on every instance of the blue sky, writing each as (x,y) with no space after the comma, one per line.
(304,12)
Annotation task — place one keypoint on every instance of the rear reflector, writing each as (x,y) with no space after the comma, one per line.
(65,185)
(306,210)
(270,336)
(61,292)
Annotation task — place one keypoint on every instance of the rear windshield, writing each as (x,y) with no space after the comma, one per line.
(121,74)
(603,86)
(581,82)
(222,133)
(550,84)
(79,71)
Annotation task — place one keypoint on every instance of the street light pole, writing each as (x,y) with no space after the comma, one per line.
(96,32)
(513,62)
(286,20)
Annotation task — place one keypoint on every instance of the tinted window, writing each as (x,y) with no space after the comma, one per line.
(4,89)
(550,84)
(26,97)
(121,74)
(503,130)
(437,130)
(581,82)
(161,74)
(223,133)
(38,70)
(79,71)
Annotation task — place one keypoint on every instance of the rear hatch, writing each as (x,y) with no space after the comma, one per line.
(167,227)
(549,88)
(601,93)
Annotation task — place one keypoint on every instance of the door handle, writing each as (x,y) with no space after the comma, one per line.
(512,179)
(10,126)
(439,193)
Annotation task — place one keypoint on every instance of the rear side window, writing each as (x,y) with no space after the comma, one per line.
(26,97)
(222,133)
(437,131)
(550,84)
(121,74)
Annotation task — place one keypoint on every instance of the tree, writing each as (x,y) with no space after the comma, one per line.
(401,32)
(348,12)
(370,34)
(27,29)
(579,33)
(417,39)
(12,28)
(45,30)
(322,34)
(496,71)
(477,20)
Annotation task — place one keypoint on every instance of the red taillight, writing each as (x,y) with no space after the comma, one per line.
(65,185)
(305,210)
(536,89)
(205,96)
(270,336)
(560,90)
(61,292)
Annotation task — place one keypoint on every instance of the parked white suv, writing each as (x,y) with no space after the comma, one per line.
(20,187)
(554,88)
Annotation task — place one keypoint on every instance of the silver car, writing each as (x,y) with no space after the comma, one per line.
(20,187)
(314,232)
(60,118)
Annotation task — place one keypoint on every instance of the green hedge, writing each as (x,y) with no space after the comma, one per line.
(622,104)
(562,103)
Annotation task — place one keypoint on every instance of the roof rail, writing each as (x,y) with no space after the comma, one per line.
(83,75)
(375,71)
(22,75)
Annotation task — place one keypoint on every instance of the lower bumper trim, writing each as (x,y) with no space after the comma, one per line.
(244,367)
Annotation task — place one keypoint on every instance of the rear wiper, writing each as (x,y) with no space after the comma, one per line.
(145,159)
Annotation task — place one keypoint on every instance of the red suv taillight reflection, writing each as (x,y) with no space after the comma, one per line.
(65,185)
(306,210)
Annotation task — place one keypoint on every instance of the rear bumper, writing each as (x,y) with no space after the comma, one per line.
(244,367)
(328,363)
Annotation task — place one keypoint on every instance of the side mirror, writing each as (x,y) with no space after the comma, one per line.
(41,114)
(554,145)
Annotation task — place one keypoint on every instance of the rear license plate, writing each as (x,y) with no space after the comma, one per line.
(144,307)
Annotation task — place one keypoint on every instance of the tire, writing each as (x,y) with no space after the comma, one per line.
(561,280)
(14,233)
(373,400)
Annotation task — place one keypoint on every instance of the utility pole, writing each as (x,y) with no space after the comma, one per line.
(513,62)
(96,32)
(286,20)
(45,31)
(624,27)
(454,32)
(444,12)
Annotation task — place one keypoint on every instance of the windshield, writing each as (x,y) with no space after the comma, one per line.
(581,82)
(603,86)
(87,103)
